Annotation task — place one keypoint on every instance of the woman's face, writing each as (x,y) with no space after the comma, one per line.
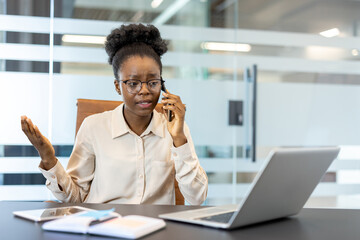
(144,69)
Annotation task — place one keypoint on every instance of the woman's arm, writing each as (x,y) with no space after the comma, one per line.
(71,186)
(192,179)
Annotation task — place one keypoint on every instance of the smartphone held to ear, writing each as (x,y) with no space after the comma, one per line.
(163,88)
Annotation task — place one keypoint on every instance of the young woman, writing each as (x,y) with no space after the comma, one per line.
(133,153)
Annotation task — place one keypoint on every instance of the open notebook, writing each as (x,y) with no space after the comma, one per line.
(106,223)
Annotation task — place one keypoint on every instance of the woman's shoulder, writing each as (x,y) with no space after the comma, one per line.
(95,124)
(98,118)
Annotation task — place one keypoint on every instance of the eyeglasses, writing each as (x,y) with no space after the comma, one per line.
(133,86)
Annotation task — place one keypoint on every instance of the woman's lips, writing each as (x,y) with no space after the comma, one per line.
(145,104)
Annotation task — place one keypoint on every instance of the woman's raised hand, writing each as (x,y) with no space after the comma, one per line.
(40,142)
(176,126)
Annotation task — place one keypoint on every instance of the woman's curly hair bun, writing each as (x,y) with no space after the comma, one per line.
(131,34)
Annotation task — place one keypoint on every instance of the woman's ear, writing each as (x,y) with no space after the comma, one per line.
(117,86)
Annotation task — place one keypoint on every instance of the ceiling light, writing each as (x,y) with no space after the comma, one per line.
(330,33)
(83,39)
(325,53)
(355,52)
(169,11)
(156,3)
(219,46)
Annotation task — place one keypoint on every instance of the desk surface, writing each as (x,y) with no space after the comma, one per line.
(309,224)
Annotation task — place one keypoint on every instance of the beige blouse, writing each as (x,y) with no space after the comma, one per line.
(111,164)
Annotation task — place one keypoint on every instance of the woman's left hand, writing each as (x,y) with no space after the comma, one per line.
(176,125)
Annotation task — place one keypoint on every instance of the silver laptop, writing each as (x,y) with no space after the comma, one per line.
(280,189)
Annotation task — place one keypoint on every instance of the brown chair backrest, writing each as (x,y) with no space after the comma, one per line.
(87,107)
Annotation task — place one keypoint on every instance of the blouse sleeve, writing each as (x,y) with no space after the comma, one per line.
(74,184)
(192,179)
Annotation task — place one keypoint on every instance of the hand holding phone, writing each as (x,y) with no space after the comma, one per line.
(175,122)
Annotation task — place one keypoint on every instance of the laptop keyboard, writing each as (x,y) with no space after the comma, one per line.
(221,218)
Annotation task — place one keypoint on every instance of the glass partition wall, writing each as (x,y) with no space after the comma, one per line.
(306,91)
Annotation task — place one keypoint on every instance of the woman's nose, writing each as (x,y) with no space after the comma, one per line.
(144,88)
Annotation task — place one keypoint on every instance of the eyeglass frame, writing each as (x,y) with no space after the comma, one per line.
(141,83)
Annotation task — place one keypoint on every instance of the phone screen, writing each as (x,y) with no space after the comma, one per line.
(57,212)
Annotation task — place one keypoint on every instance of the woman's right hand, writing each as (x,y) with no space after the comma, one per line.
(40,142)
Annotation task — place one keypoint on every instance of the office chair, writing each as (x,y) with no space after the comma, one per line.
(87,107)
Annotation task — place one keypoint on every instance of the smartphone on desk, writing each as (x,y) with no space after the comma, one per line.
(163,88)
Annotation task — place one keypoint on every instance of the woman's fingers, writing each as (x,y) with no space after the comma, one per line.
(30,129)
(41,143)
(27,129)
(172,107)
(172,104)
(176,111)
(172,100)
(169,95)
(37,132)
(169,101)
(31,126)
(24,125)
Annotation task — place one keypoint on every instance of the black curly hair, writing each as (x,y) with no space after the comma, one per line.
(131,40)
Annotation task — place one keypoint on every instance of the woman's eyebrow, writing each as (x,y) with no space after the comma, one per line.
(137,76)
(132,76)
(153,74)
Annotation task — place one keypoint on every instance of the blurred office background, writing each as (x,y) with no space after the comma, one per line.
(303,55)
